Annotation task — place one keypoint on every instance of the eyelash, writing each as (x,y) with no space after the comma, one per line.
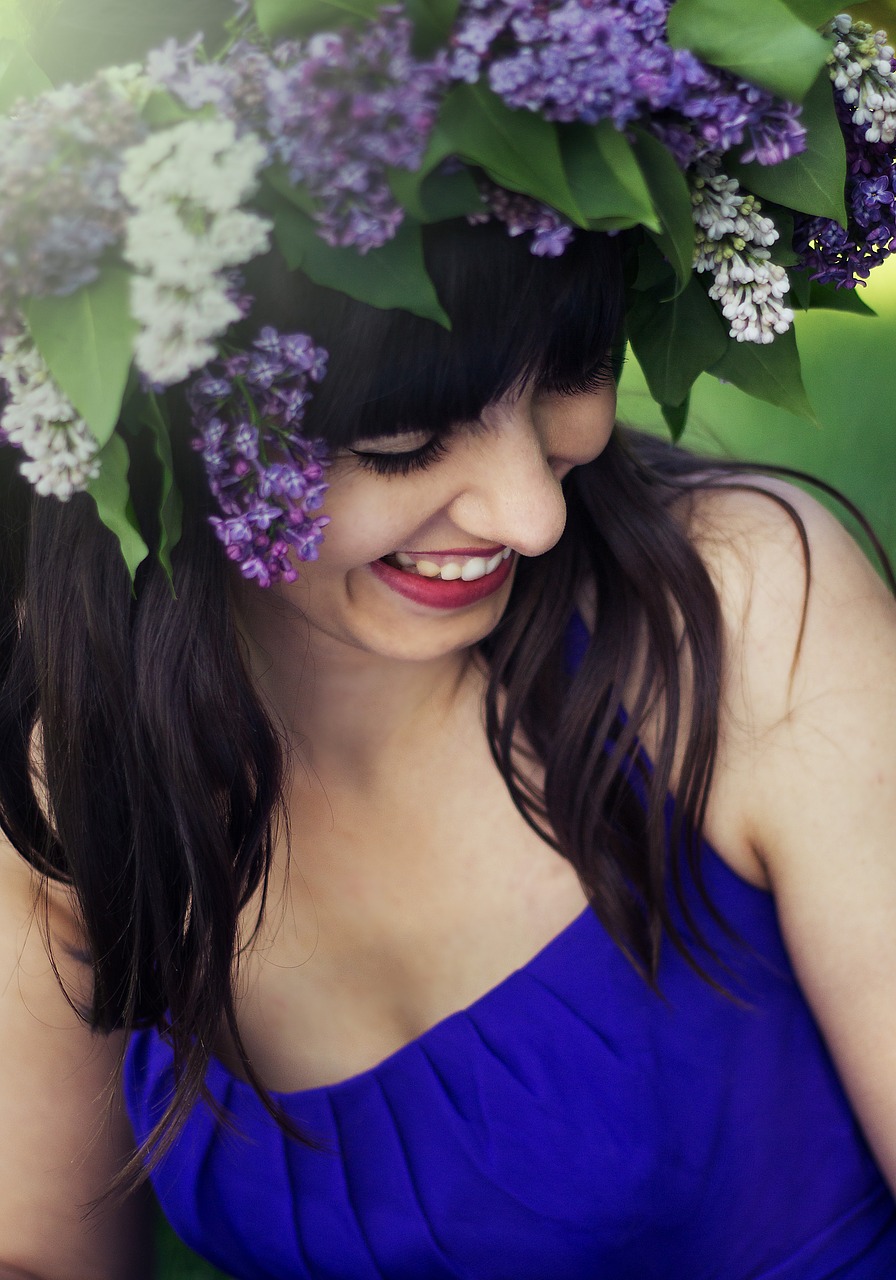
(596,380)
(403,464)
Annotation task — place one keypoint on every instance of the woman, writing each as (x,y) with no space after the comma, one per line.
(291,820)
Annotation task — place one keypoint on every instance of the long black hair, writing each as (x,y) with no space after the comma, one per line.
(138,763)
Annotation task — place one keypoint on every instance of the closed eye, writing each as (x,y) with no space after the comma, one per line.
(391,461)
(595,379)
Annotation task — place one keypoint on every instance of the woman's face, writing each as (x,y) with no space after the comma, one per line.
(407,508)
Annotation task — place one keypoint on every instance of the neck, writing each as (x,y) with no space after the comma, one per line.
(352,716)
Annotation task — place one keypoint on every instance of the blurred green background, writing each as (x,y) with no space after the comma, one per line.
(849,369)
(849,365)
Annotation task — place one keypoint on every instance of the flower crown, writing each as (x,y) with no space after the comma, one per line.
(746,158)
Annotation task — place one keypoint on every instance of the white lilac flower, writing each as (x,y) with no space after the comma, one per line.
(863,73)
(733,240)
(187,232)
(60,450)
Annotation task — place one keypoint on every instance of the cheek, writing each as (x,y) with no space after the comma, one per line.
(368,519)
(579,427)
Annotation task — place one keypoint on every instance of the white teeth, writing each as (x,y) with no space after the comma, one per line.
(470,571)
(473,569)
(428,568)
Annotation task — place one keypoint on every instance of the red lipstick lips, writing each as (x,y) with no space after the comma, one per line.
(439,594)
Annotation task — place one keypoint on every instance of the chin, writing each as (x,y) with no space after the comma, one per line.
(427,638)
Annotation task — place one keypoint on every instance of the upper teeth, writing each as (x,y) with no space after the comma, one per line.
(451,570)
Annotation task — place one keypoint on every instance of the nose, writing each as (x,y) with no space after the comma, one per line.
(511,492)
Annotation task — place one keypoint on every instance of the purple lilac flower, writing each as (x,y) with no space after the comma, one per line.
(196,82)
(265,476)
(235,87)
(551,232)
(843,256)
(342,108)
(590,60)
(60,160)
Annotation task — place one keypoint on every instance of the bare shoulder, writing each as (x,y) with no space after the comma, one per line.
(763,539)
(807,776)
(65,1134)
(809,639)
(805,613)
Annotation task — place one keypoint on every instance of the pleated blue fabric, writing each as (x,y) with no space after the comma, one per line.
(572,1124)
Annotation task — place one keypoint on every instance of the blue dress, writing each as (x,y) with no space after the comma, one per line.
(571,1124)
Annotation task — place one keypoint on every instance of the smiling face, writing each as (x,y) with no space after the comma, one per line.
(450,446)
(419,558)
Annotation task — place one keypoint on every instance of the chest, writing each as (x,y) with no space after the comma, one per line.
(572,1123)
(395,910)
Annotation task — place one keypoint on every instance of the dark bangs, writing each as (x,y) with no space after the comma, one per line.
(514,317)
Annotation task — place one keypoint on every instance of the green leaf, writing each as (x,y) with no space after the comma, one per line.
(676,416)
(815,13)
(111,493)
(675,339)
(762,40)
(814,181)
(653,270)
(612,224)
(828,297)
(782,250)
(170,501)
(163,109)
(392,276)
(800,290)
(296,17)
(20,76)
(518,149)
(433,21)
(438,197)
(771,372)
(279,181)
(672,201)
(87,340)
(605,177)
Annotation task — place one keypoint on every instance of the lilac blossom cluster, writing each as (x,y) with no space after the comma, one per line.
(61,456)
(733,239)
(266,477)
(181,69)
(235,87)
(551,232)
(60,161)
(186,232)
(342,109)
(864,75)
(590,60)
(338,110)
